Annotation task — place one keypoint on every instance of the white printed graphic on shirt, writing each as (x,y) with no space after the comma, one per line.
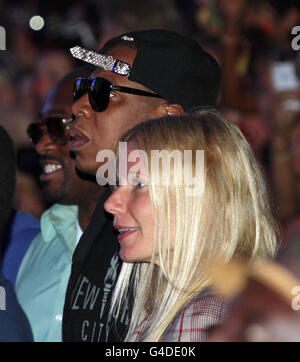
(86,297)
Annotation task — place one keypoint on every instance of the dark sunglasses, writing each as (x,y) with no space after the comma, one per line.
(99,90)
(55,127)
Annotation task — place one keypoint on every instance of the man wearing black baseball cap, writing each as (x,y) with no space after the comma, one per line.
(139,75)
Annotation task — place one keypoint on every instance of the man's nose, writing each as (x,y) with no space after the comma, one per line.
(45,144)
(81,107)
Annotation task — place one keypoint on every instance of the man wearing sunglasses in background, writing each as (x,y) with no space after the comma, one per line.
(139,75)
(43,275)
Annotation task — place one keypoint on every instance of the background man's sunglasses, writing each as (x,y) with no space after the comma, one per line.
(54,126)
(99,90)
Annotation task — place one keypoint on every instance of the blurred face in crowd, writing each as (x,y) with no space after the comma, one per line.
(51,67)
(96,131)
(295,149)
(59,178)
(133,214)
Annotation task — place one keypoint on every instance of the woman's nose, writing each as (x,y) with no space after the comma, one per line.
(116,203)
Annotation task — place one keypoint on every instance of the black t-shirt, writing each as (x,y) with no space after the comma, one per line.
(95,269)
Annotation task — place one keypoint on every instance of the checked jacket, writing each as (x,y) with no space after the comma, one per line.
(192,323)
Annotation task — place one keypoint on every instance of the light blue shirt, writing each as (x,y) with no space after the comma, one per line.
(45,270)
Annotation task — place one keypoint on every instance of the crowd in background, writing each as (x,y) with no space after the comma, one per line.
(250,39)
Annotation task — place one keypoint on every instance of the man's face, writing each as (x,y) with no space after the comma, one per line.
(59,179)
(96,131)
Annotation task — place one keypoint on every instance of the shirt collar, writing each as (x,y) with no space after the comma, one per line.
(59,220)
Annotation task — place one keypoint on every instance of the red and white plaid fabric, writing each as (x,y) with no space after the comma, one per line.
(192,323)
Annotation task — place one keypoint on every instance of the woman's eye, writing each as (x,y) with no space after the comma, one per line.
(135,182)
(140,185)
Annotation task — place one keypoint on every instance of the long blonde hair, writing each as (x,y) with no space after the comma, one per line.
(229,218)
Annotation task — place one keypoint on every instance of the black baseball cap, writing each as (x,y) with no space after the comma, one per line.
(170,64)
(173,66)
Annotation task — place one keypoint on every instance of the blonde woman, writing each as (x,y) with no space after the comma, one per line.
(171,230)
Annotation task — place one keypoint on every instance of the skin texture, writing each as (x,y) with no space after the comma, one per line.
(64,186)
(131,206)
(101,130)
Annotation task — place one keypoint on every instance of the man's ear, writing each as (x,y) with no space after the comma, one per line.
(167,109)
(174,110)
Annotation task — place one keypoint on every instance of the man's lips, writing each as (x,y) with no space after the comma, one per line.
(125,231)
(50,168)
(78,139)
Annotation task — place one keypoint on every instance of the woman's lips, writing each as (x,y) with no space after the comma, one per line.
(125,231)
(78,139)
(124,235)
